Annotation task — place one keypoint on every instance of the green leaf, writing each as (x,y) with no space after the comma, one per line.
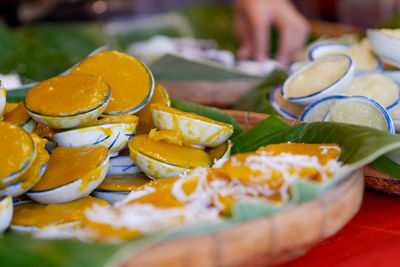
(18,250)
(249,140)
(175,67)
(17,95)
(386,165)
(257,99)
(209,112)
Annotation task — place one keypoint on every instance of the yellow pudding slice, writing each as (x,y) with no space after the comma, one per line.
(67,95)
(319,76)
(217,152)
(41,215)
(123,182)
(187,115)
(183,156)
(127,118)
(16,149)
(68,164)
(32,176)
(130,81)
(168,136)
(15,113)
(160,96)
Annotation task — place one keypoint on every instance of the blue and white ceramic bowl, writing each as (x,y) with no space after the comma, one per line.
(156,169)
(197,132)
(70,121)
(392,74)
(116,195)
(285,108)
(75,189)
(23,186)
(327,49)
(14,177)
(122,165)
(335,88)
(6,212)
(317,110)
(351,100)
(114,136)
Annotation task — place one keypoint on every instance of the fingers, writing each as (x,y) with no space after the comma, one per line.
(260,39)
(242,33)
(292,36)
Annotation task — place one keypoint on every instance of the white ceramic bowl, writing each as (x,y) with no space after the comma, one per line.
(156,169)
(290,111)
(296,66)
(385,46)
(29,125)
(226,154)
(317,110)
(70,121)
(73,190)
(373,103)
(335,88)
(122,165)
(6,211)
(200,133)
(22,187)
(114,136)
(2,98)
(327,49)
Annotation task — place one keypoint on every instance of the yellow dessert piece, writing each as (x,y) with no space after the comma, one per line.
(15,113)
(187,115)
(127,118)
(160,96)
(217,152)
(129,79)
(67,95)
(41,215)
(123,182)
(16,149)
(183,156)
(318,77)
(324,152)
(32,177)
(68,164)
(168,136)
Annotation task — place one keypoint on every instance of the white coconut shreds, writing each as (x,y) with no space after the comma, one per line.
(147,218)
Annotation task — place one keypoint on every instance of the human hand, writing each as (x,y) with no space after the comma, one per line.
(252,23)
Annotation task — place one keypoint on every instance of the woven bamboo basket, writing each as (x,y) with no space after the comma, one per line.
(267,240)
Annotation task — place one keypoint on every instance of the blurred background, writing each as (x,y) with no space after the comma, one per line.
(362,13)
(42,38)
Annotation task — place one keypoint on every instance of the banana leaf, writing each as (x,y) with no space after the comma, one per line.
(175,67)
(387,166)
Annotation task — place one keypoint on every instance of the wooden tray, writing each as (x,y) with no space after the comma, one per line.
(265,241)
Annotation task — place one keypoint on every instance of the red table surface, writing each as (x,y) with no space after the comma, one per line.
(371,238)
